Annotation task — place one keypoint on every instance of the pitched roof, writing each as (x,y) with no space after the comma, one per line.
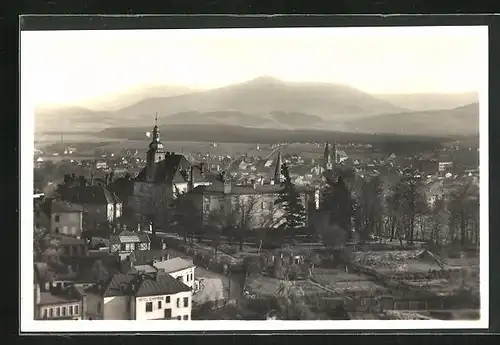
(60,297)
(160,284)
(143,285)
(99,195)
(64,206)
(218,188)
(173,265)
(175,168)
(144,257)
(129,237)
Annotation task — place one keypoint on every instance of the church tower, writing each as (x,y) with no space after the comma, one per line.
(156,152)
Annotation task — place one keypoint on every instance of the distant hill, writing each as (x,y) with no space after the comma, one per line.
(265,95)
(71,119)
(431,101)
(458,121)
(112,102)
(269,103)
(224,133)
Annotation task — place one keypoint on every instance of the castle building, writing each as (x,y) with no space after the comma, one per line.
(165,175)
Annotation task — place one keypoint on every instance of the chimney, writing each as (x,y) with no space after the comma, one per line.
(138,227)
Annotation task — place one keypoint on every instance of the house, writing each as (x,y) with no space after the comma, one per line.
(100,206)
(59,217)
(127,242)
(59,304)
(256,202)
(178,268)
(53,275)
(140,297)
(70,246)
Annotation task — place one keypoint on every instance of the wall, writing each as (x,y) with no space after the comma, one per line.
(70,223)
(116,308)
(42,220)
(150,197)
(91,307)
(184,274)
(159,313)
(75,315)
(94,214)
(263,212)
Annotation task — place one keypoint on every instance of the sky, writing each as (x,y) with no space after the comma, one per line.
(71,67)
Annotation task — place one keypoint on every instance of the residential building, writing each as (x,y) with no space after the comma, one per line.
(127,242)
(178,268)
(140,297)
(100,206)
(59,304)
(256,202)
(60,217)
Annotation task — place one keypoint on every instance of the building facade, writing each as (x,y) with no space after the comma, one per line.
(179,268)
(127,242)
(60,217)
(140,297)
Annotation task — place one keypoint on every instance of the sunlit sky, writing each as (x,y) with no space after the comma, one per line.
(69,67)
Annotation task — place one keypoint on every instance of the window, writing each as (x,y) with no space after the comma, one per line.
(178,317)
(262,205)
(168,314)
(56,218)
(57,230)
(75,310)
(167,299)
(70,311)
(63,311)
(51,312)
(45,313)
(178,302)
(98,307)
(186,317)
(58,311)
(159,304)
(149,307)
(186,302)
(122,246)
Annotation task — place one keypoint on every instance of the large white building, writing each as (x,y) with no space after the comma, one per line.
(155,296)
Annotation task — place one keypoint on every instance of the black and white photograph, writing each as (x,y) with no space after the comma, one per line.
(175,178)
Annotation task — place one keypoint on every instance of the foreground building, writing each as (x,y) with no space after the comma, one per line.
(140,297)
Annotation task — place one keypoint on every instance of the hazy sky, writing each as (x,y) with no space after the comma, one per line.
(69,67)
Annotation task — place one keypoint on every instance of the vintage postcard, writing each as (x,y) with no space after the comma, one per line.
(172,179)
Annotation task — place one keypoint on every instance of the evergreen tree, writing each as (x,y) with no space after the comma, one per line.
(289,198)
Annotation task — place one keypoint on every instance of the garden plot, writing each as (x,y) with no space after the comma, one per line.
(342,283)
(262,286)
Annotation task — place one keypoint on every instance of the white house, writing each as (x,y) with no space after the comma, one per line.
(179,268)
(140,297)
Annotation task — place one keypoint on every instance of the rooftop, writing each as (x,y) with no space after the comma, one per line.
(65,206)
(142,285)
(88,195)
(129,237)
(65,296)
(173,265)
(218,188)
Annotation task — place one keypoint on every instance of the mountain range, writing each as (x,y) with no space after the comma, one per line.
(269,103)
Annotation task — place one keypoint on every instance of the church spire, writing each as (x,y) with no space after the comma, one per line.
(156,152)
